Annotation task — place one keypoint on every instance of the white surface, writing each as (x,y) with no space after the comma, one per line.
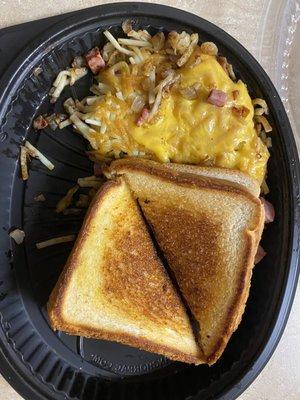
(246,21)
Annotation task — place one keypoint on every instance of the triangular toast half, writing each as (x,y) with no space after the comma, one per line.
(115,287)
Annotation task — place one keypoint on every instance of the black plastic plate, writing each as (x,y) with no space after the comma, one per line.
(41,364)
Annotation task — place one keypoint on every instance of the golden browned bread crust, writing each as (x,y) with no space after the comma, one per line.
(227,176)
(164,173)
(134,287)
(195,239)
(141,343)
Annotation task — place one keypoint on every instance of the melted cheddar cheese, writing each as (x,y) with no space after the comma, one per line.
(183,130)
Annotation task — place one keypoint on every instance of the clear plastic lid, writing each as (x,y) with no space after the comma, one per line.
(279,53)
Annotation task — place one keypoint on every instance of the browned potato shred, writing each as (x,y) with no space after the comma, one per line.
(66,200)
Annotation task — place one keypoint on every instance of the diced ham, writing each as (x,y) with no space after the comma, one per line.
(217,98)
(94,60)
(269,210)
(98,169)
(40,123)
(259,255)
(144,115)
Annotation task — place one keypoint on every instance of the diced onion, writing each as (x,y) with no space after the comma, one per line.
(209,48)
(60,76)
(39,197)
(17,235)
(122,65)
(65,123)
(70,106)
(265,123)
(92,99)
(262,104)
(259,111)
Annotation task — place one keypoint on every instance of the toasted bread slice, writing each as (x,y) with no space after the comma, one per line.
(228,176)
(209,233)
(114,286)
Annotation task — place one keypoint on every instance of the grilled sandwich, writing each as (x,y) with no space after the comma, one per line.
(208,230)
(115,287)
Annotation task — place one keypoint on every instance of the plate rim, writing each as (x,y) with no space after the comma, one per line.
(138,8)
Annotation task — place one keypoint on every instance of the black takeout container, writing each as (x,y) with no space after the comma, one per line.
(41,364)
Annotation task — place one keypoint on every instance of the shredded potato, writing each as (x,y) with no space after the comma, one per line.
(263,120)
(84,129)
(23,163)
(34,152)
(65,123)
(83,201)
(178,42)
(58,240)
(134,42)
(127,26)
(66,200)
(90,181)
(115,43)
(65,78)
(260,102)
